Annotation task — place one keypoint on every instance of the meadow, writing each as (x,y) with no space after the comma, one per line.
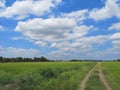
(112,74)
(59,75)
(43,76)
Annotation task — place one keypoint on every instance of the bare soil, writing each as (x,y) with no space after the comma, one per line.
(12,86)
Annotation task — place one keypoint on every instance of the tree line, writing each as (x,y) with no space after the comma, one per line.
(21,59)
(41,59)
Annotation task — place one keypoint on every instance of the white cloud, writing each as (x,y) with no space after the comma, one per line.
(41,43)
(109,54)
(18,38)
(1,27)
(110,9)
(2,3)
(17,52)
(79,16)
(80,31)
(115,36)
(100,39)
(115,26)
(116,42)
(50,29)
(86,48)
(22,8)
(64,36)
(57,31)
(81,45)
(63,33)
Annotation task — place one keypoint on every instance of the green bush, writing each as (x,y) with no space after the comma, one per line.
(48,73)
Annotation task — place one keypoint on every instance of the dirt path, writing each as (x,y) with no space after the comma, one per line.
(83,84)
(102,78)
(12,86)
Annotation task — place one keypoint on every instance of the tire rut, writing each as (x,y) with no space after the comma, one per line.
(102,78)
(83,84)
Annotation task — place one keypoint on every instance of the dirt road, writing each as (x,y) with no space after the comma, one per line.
(101,77)
(83,84)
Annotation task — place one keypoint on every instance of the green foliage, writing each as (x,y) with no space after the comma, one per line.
(21,59)
(30,81)
(48,73)
(5,78)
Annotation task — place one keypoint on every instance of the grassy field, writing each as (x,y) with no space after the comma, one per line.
(58,75)
(112,74)
(43,76)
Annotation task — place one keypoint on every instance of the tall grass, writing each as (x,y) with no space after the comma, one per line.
(45,76)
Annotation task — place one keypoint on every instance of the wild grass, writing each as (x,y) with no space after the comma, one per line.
(112,74)
(94,82)
(43,76)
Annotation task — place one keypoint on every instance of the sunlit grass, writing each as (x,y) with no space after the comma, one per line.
(44,76)
(112,74)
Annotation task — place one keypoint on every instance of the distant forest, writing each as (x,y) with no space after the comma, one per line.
(21,59)
(41,59)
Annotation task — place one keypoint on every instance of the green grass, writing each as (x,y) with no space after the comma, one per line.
(43,76)
(94,82)
(112,74)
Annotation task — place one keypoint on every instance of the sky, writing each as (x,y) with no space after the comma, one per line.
(60,29)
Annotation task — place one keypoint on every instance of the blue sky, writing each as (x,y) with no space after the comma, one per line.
(60,29)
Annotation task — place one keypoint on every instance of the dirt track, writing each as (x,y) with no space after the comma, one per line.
(101,76)
(83,84)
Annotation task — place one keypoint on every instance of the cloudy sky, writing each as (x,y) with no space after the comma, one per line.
(60,29)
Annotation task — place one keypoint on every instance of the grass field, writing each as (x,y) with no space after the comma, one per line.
(112,74)
(43,76)
(59,75)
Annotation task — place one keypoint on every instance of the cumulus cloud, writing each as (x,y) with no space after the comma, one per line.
(47,29)
(79,15)
(110,9)
(80,45)
(81,30)
(87,48)
(65,35)
(22,8)
(54,30)
(115,26)
(113,52)
(115,36)
(17,52)
(94,39)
